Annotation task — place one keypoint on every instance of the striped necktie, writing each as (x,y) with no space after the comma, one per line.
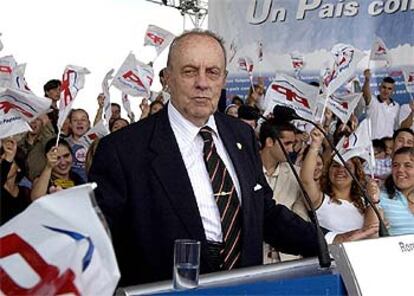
(227,201)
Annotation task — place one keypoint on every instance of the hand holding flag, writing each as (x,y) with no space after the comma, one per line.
(107,96)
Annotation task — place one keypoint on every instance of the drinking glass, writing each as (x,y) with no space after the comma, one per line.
(186,264)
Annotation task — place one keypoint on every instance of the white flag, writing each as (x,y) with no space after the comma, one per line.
(18,80)
(357,144)
(298,61)
(343,106)
(1,44)
(408,79)
(260,52)
(7,64)
(293,93)
(379,51)
(98,131)
(134,77)
(25,104)
(73,80)
(246,64)
(107,95)
(11,123)
(231,53)
(127,105)
(346,61)
(158,37)
(57,246)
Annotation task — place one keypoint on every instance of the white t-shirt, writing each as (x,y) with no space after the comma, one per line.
(405,110)
(384,118)
(339,218)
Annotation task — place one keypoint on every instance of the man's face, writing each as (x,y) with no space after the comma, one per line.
(288,139)
(195,77)
(54,94)
(386,90)
(404,139)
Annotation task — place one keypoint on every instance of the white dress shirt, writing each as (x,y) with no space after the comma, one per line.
(191,145)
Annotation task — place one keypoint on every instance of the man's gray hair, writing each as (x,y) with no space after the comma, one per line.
(197,32)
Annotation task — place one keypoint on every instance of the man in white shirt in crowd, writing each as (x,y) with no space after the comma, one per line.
(382,109)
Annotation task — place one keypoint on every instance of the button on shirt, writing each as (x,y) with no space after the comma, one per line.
(191,145)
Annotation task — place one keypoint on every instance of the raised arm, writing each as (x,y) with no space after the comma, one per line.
(99,112)
(308,168)
(41,184)
(366,89)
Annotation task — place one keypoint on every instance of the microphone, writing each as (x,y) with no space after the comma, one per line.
(288,114)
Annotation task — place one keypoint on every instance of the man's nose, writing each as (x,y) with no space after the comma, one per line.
(201,80)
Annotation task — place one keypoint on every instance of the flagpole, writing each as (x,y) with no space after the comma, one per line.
(324,107)
(58,136)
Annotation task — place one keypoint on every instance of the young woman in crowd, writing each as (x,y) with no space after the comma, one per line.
(337,199)
(14,198)
(57,173)
(397,199)
(118,124)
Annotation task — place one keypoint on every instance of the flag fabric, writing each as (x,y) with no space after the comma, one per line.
(58,245)
(158,37)
(11,124)
(7,64)
(134,77)
(246,64)
(127,105)
(18,80)
(343,106)
(73,80)
(357,144)
(232,51)
(409,79)
(379,51)
(107,95)
(98,131)
(259,51)
(298,61)
(288,91)
(1,44)
(346,59)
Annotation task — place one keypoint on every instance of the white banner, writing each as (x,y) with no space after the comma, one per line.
(158,37)
(18,80)
(134,77)
(288,91)
(246,64)
(1,44)
(107,95)
(98,131)
(409,79)
(57,246)
(346,61)
(379,51)
(7,64)
(343,106)
(357,144)
(73,80)
(127,105)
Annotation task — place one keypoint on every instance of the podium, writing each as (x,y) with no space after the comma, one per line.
(303,277)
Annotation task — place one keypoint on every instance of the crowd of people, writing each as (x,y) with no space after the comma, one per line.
(37,163)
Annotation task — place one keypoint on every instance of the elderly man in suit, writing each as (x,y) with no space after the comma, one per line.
(189,172)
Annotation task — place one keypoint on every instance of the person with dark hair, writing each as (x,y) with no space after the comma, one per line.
(249,115)
(232,110)
(397,200)
(57,173)
(337,199)
(389,145)
(14,198)
(382,109)
(115,113)
(237,101)
(254,96)
(403,137)
(279,176)
(118,124)
(52,91)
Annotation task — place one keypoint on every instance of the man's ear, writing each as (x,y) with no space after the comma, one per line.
(269,142)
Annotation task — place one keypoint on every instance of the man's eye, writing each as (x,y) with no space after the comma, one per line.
(190,72)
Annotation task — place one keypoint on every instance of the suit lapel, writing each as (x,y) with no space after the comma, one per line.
(170,168)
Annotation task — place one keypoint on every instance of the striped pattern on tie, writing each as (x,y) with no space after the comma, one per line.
(226,198)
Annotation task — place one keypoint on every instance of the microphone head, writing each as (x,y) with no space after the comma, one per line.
(284,113)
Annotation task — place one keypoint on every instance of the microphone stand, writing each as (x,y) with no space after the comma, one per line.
(323,252)
(383,232)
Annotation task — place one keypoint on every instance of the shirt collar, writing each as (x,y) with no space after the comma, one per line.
(185,130)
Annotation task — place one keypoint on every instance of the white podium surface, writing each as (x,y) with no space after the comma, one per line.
(383,266)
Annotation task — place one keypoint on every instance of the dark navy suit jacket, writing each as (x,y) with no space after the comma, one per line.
(146,196)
